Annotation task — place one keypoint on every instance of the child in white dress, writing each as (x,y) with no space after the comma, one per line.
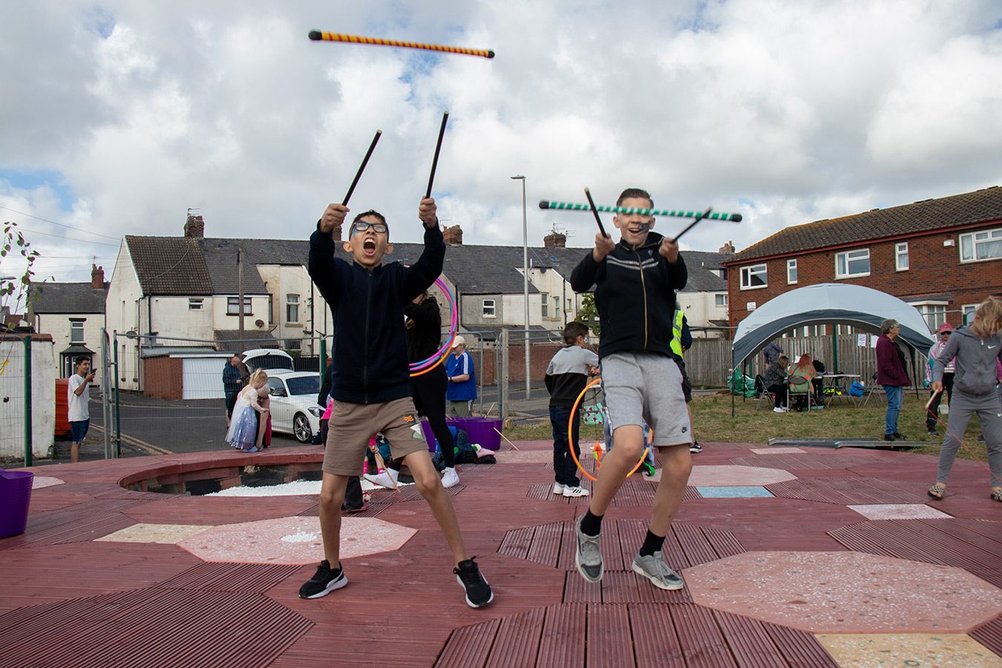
(242,433)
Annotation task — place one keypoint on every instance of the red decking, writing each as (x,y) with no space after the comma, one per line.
(69,600)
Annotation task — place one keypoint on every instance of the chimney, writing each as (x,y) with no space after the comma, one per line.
(555,240)
(727,249)
(194,226)
(453,235)
(97,277)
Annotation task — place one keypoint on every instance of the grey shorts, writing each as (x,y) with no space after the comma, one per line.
(352,425)
(643,387)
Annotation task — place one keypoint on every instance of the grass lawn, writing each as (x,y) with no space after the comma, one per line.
(753,423)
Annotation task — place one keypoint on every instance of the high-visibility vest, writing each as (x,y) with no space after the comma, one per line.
(676,333)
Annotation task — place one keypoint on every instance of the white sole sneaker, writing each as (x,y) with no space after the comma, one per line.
(574,492)
(558,488)
(450,478)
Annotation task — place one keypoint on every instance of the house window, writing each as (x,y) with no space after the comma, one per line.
(720,300)
(545,305)
(933,312)
(488,306)
(292,308)
(754,277)
(77,331)
(233,306)
(195,304)
(968,312)
(981,246)
(901,256)
(852,264)
(791,271)
(556,307)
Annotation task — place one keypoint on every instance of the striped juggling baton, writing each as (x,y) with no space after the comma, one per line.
(571,206)
(319,36)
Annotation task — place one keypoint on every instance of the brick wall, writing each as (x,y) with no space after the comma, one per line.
(935,273)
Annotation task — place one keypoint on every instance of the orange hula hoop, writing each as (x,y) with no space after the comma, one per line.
(448,350)
(570,435)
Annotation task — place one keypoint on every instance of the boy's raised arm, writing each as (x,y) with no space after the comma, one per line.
(321,261)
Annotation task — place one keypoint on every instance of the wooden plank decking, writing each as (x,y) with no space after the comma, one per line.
(69,599)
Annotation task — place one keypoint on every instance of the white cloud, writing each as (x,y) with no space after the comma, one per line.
(784,112)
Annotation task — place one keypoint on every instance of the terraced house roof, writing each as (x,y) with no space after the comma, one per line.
(945,213)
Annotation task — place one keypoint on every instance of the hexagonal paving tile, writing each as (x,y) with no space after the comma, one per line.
(913,649)
(293,540)
(40,481)
(730,474)
(845,592)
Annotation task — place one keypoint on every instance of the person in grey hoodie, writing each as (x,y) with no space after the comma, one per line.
(977,349)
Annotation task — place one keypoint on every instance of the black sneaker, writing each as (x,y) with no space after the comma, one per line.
(478,592)
(324,581)
(695,447)
(888,437)
(899,437)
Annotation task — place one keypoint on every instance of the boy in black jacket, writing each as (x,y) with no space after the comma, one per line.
(371,379)
(635,283)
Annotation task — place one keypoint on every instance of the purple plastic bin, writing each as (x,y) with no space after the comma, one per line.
(15,497)
(481,430)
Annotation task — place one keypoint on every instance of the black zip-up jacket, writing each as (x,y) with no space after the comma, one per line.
(635,296)
(370,344)
(424,331)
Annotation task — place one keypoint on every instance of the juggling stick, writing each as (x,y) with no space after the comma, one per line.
(594,210)
(361,167)
(934,395)
(438,147)
(570,206)
(691,225)
(513,446)
(381,465)
(318,36)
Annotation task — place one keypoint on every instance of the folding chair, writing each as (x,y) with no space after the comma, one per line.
(872,388)
(805,389)
(767,400)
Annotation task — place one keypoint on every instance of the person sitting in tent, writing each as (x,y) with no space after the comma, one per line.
(801,376)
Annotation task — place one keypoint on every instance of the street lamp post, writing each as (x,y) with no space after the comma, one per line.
(525,285)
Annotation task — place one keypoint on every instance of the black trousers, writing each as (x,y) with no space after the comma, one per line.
(932,415)
(353,495)
(428,391)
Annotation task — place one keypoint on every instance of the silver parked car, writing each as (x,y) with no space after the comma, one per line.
(294,408)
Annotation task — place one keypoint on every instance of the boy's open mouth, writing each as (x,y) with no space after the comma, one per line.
(369,246)
(640,229)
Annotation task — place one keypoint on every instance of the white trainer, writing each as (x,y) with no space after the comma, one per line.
(558,488)
(449,477)
(387,478)
(572,492)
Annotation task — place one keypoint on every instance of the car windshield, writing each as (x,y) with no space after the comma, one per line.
(268,362)
(304,385)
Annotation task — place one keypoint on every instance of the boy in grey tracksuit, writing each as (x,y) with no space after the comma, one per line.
(976,349)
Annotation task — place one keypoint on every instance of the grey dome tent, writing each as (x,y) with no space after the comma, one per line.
(828,303)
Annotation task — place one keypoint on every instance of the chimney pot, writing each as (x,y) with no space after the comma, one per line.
(97,277)
(453,235)
(555,240)
(194,227)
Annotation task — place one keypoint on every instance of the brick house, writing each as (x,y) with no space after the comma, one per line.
(944,256)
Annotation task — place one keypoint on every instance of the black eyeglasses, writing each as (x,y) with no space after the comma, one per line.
(944,333)
(362,226)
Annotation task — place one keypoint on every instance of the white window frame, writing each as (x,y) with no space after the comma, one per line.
(556,308)
(972,240)
(933,311)
(720,299)
(751,271)
(233,306)
(901,260)
(849,257)
(967,313)
(489,308)
(77,329)
(195,303)
(292,308)
(791,271)
(545,304)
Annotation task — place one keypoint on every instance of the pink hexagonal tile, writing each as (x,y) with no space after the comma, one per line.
(845,592)
(293,540)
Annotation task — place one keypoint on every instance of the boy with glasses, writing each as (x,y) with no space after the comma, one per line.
(371,380)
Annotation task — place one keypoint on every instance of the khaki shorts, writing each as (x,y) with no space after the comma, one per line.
(352,425)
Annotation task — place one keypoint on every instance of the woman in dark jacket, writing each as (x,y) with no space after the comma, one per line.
(892,375)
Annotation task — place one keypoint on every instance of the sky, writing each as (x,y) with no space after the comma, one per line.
(118,117)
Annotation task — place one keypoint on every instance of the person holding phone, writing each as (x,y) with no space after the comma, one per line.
(78,404)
